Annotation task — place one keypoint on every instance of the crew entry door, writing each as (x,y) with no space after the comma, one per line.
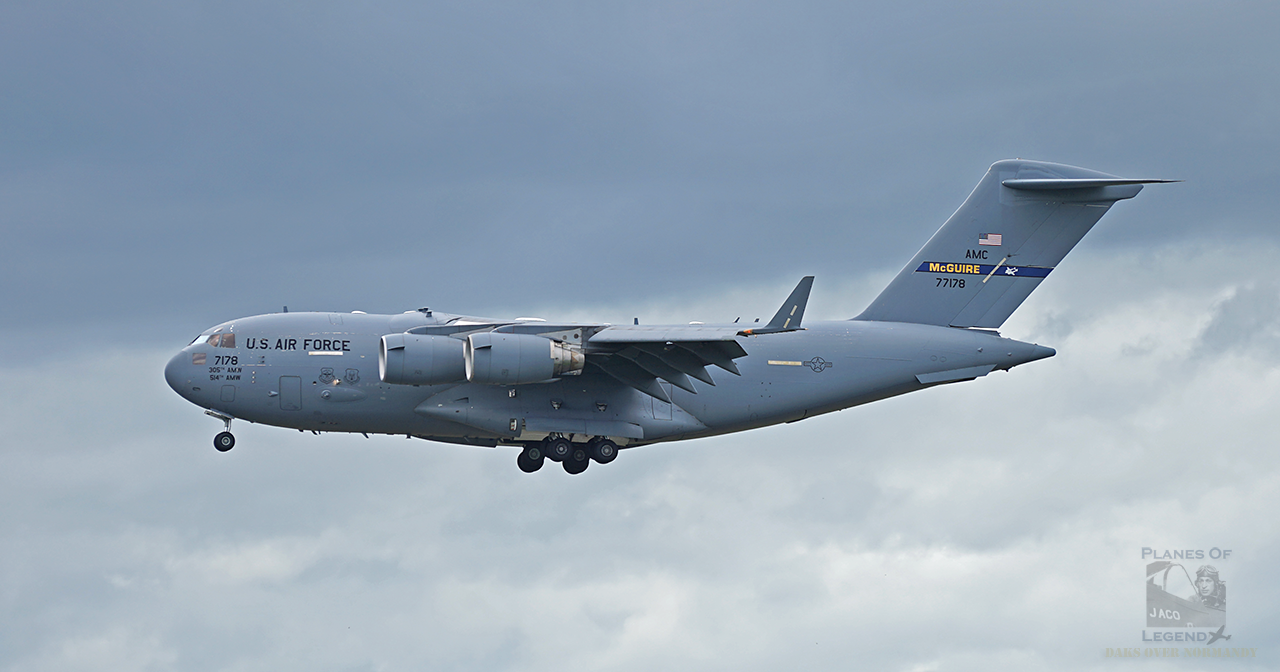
(290,393)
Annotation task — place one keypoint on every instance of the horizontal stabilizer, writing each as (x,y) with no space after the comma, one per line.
(1076,183)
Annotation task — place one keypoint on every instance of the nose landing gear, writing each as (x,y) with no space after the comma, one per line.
(225,440)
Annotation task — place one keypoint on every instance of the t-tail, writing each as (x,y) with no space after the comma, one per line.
(1012,231)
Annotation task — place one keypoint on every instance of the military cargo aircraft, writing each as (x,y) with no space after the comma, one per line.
(576,393)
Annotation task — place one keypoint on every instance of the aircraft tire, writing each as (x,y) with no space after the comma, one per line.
(558,449)
(604,451)
(224,441)
(577,461)
(530,459)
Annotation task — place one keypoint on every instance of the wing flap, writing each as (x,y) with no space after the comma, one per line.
(629,373)
(657,366)
(719,354)
(675,356)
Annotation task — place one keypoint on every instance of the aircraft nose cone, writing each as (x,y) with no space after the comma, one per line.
(173,373)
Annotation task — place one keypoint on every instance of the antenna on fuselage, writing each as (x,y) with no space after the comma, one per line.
(286,309)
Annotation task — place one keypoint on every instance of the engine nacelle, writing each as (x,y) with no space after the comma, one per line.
(515,359)
(410,359)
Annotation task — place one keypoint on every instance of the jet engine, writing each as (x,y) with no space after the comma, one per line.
(410,359)
(514,359)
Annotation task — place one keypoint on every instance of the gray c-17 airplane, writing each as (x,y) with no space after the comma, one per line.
(576,393)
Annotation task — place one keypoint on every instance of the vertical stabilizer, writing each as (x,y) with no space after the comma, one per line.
(1012,231)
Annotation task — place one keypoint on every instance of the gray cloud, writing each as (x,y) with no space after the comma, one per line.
(1022,499)
(297,152)
(1248,320)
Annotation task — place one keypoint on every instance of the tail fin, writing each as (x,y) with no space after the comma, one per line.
(1019,222)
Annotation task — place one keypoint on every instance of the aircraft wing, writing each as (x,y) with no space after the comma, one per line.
(639,355)
(666,334)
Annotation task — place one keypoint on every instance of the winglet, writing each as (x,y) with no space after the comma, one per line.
(789,315)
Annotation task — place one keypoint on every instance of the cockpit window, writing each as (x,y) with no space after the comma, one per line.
(216,339)
(222,340)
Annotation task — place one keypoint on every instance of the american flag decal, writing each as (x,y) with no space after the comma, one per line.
(989,239)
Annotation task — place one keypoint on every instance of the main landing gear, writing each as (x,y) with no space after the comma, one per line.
(574,457)
(225,440)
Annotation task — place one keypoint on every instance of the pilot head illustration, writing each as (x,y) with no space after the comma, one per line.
(1211,591)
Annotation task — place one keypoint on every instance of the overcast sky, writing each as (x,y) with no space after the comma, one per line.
(166,166)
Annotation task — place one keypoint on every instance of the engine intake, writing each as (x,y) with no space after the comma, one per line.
(516,359)
(410,359)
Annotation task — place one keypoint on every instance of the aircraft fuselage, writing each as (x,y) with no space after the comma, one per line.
(576,393)
(320,371)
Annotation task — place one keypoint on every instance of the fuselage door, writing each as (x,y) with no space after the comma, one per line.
(290,393)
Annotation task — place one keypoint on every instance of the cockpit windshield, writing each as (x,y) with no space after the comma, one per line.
(217,340)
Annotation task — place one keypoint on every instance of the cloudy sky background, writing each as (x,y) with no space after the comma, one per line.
(168,166)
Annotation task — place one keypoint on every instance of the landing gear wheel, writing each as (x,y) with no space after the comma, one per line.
(559,449)
(224,441)
(603,451)
(530,459)
(577,461)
